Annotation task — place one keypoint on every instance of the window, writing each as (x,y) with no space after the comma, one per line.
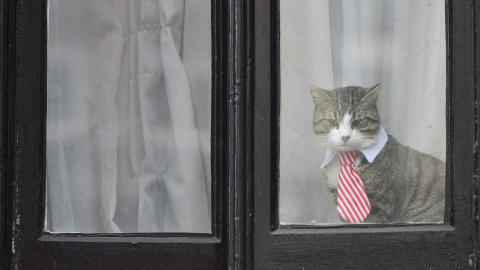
(394,50)
(246,231)
(128,116)
(368,246)
(187,249)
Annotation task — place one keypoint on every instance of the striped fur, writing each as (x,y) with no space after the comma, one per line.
(403,185)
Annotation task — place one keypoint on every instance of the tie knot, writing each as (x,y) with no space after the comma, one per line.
(347,158)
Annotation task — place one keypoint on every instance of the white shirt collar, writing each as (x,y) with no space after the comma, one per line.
(370,152)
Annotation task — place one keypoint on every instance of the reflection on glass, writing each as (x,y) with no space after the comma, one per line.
(128,116)
(351,73)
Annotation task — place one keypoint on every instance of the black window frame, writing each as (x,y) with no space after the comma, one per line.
(448,246)
(24,244)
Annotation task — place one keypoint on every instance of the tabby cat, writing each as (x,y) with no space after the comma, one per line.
(402,185)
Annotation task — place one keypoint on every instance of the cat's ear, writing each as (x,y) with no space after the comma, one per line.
(319,95)
(372,94)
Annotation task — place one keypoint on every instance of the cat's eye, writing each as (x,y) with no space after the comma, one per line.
(333,122)
(355,123)
(359,122)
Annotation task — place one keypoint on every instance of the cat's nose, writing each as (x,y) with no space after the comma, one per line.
(345,138)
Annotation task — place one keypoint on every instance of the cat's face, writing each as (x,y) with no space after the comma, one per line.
(346,119)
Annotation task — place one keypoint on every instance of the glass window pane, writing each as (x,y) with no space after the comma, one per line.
(359,70)
(128,116)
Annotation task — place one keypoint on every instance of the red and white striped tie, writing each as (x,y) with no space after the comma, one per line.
(353,205)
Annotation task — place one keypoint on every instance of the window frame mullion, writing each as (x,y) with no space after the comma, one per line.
(239,132)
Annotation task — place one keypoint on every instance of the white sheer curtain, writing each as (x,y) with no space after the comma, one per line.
(331,44)
(128,116)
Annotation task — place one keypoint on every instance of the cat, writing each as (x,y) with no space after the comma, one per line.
(402,185)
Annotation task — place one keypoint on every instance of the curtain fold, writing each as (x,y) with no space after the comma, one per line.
(124,150)
(398,43)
